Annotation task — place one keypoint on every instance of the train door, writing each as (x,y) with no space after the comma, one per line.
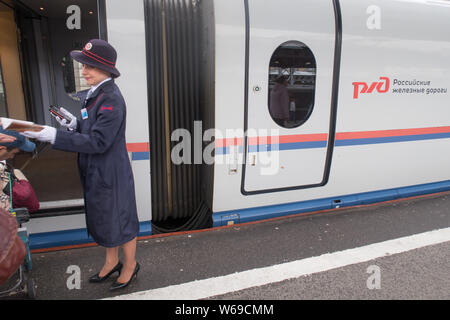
(290,112)
(35,41)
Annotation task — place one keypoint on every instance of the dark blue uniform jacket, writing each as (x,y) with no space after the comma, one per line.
(104,166)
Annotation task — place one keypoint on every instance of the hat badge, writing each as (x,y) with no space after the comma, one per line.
(88,46)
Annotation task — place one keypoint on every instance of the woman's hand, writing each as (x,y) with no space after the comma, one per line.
(72,125)
(48,134)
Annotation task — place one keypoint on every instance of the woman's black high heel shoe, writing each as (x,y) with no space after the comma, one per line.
(97,279)
(118,285)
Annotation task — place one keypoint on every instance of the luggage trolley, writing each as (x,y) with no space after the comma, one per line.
(25,282)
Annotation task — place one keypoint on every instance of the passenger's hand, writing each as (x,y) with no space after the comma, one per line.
(4,138)
(48,134)
(72,125)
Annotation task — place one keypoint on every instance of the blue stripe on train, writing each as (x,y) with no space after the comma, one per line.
(79,236)
(354,142)
(275,147)
(140,156)
(338,143)
(73,237)
(267,212)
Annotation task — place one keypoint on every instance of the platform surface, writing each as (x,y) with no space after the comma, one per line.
(167,261)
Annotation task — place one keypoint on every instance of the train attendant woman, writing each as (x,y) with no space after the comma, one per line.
(98,136)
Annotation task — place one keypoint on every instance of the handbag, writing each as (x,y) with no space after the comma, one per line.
(23,195)
(12,248)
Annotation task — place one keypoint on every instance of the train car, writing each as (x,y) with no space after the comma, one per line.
(239,110)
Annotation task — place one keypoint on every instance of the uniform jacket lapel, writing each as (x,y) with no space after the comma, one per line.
(105,87)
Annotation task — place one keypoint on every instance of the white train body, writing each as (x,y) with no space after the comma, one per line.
(384,141)
(379,128)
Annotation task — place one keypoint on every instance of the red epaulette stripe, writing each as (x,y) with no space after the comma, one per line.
(93,104)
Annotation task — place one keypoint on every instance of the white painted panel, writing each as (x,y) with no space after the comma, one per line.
(229,91)
(60,223)
(126,32)
(273,23)
(412,44)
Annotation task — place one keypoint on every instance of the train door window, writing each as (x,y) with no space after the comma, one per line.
(3,109)
(72,76)
(292,75)
(70,24)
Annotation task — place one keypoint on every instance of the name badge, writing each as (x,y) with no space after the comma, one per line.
(84,114)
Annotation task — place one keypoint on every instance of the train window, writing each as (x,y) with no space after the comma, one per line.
(73,79)
(292,75)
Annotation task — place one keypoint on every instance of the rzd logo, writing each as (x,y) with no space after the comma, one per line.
(363,87)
